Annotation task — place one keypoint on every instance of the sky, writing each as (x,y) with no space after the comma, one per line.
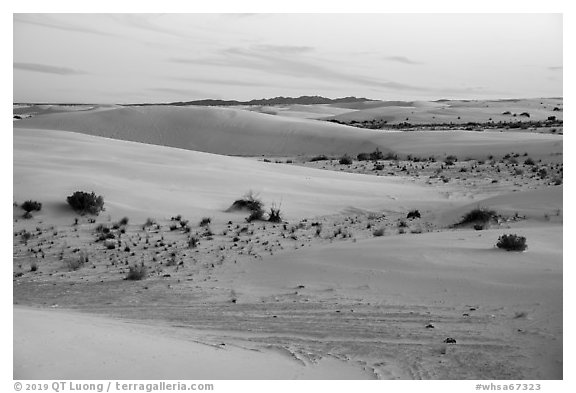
(136,58)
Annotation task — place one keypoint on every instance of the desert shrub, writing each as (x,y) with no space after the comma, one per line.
(525,114)
(25,236)
(274,215)
(512,242)
(136,272)
(29,206)
(78,262)
(376,155)
(321,157)
(363,157)
(378,167)
(345,160)
(250,202)
(390,157)
(413,214)
(542,173)
(193,242)
(149,222)
(205,221)
(123,221)
(255,215)
(557,181)
(479,215)
(529,161)
(378,232)
(83,202)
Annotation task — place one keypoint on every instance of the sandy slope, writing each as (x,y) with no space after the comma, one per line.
(498,305)
(363,301)
(50,344)
(456,112)
(142,180)
(211,129)
(238,132)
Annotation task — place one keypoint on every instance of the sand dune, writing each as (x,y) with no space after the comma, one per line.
(210,129)
(239,132)
(457,112)
(142,180)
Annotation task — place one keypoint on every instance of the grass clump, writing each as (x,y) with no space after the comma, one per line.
(345,160)
(30,206)
(512,242)
(321,157)
(478,216)
(205,221)
(274,215)
(86,203)
(137,272)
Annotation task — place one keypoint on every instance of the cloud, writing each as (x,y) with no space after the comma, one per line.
(45,20)
(403,60)
(237,57)
(47,69)
(284,49)
(214,81)
(181,92)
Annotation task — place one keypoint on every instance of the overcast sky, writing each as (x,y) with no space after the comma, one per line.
(121,58)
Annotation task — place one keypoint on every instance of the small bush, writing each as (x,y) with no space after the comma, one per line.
(319,158)
(512,243)
(345,160)
(376,155)
(413,214)
(205,221)
(250,202)
(378,232)
(137,272)
(478,216)
(274,215)
(529,161)
(83,202)
(78,262)
(29,206)
(363,157)
(193,242)
(123,221)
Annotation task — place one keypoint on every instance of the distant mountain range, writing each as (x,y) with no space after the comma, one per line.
(303,100)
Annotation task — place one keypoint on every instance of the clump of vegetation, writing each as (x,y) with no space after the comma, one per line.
(205,221)
(86,203)
(123,221)
(345,160)
(512,242)
(413,214)
(321,157)
(193,242)
(378,232)
(529,161)
(250,202)
(274,215)
(30,206)
(479,216)
(137,272)
(78,262)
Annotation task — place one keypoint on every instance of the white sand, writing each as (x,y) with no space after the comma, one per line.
(51,344)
